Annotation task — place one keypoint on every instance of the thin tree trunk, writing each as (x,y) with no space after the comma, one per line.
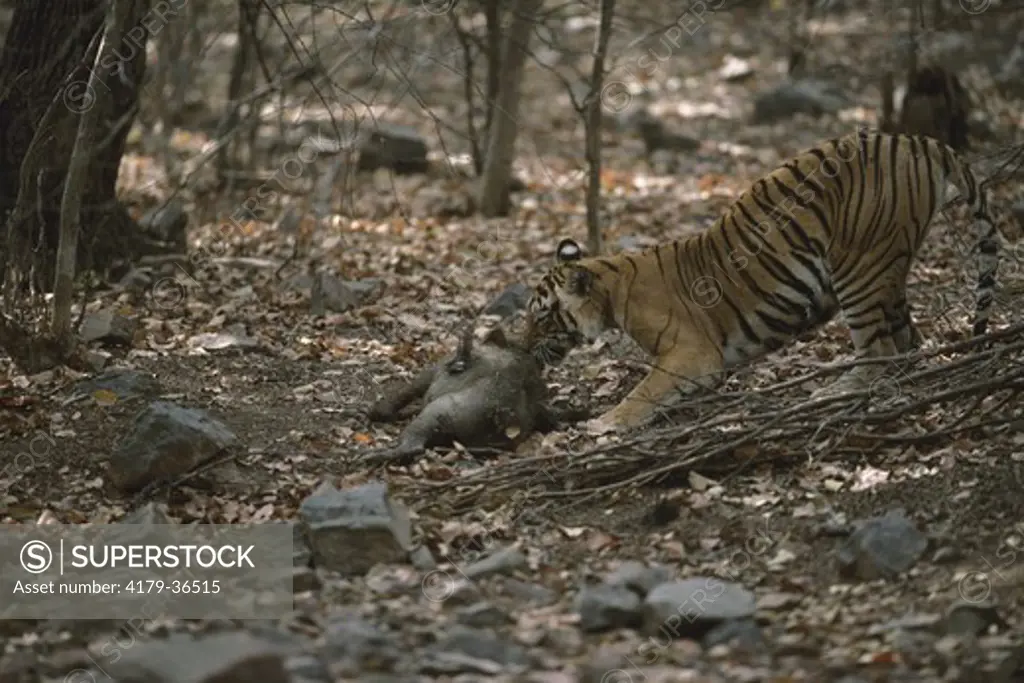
(493,14)
(501,138)
(593,128)
(78,169)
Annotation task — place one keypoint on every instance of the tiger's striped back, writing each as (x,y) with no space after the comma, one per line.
(834,228)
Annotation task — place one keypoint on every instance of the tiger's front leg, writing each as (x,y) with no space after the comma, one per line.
(666,382)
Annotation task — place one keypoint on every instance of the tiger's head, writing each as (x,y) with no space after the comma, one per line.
(567,308)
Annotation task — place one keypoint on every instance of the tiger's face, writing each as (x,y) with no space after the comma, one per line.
(563,311)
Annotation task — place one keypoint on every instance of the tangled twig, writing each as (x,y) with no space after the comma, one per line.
(937,399)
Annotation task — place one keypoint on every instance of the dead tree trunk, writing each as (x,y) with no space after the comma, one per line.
(501,137)
(44,76)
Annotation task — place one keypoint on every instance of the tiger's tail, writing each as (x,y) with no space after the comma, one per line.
(959,172)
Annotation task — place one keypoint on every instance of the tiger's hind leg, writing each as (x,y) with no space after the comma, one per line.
(879,322)
(904,332)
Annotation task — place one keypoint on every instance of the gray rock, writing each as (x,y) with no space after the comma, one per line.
(353,645)
(743,634)
(513,299)
(302,556)
(482,614)
(423,559)
(691,608)
(501,561)
(638,577)
(387,145)
(603,607)
(972,618)
(305,579)
(109,327)
(881,547)
(473,650)
(344,295)
(166,441)
(815,98)
(227,657)
(350,531)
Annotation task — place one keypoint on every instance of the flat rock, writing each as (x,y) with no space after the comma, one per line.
(109,327)
(692,607)
(473,650)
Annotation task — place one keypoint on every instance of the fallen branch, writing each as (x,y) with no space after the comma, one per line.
(939,399)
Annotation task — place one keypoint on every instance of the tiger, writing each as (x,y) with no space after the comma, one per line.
(833,229)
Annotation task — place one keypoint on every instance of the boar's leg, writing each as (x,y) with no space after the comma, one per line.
(551,419)
(388,407)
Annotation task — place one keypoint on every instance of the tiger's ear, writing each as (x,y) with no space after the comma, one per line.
(568,250)
(580,281)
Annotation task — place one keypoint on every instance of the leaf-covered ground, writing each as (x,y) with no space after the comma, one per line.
(296,398)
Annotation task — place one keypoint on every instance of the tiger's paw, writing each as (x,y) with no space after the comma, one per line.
(600,426)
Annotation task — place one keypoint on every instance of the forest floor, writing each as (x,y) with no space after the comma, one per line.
(759,516)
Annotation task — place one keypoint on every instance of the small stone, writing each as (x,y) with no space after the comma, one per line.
(482,614)
(422,559)
(638,577)
(305,579)
(512,299)
(969,618)
(472,650)
(108,326)
(501,561)
(605,607)
(353,645)
(743,634)
(881,547)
